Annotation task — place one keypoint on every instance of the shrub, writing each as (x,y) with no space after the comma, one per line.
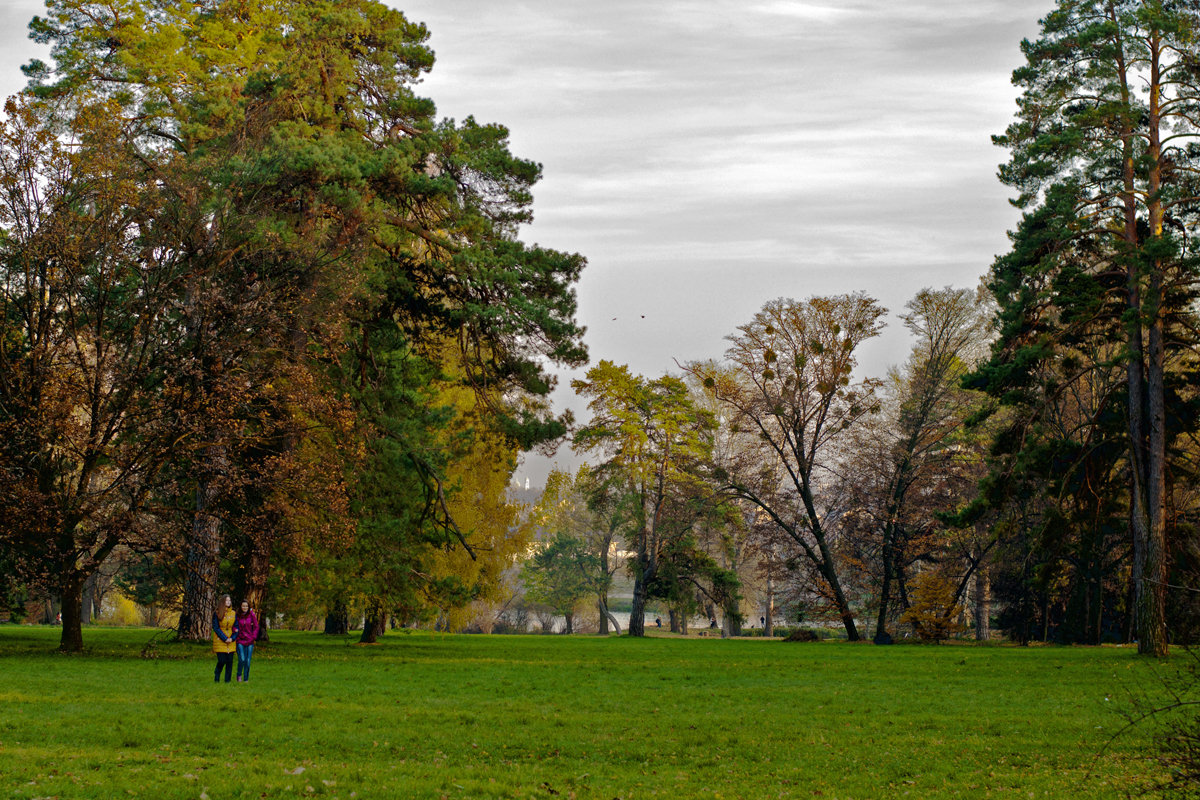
(934,613)
(118,609)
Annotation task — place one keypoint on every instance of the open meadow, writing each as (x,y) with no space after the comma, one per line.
(425,715)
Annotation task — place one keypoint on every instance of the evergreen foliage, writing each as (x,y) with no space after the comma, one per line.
(338,247)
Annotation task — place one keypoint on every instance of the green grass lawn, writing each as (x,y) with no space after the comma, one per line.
(423,715)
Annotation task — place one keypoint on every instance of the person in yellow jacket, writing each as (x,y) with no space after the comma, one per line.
(223,641)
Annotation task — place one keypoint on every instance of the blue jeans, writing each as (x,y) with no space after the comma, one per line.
(244,652)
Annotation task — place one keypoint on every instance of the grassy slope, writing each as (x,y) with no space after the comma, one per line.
(474,716)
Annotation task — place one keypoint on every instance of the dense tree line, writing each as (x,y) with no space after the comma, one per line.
(267,323)
(258,304)
(1034,460)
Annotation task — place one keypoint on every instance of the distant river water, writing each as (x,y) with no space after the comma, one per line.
(695,624)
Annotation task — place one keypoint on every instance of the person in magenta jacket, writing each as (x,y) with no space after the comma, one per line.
(245,632)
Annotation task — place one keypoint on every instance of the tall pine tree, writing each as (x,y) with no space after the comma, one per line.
(1102,154)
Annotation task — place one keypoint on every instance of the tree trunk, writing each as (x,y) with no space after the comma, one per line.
(200,583)
(673,617)
(72,613)
(97,600)
(606,616)
(839,599)
(1152,589)
(258,569)
(826,562)
(570,626)
(602,593)
(731,622)
(983,604)
(1152,595)
(769,615)
(337,621)
(902,587)
(637,612)
(91,599)
(885,589)
(374,625)
(203,553)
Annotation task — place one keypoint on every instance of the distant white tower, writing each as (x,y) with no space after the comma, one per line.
(527,484)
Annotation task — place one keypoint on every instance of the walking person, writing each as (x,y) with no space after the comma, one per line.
(223,620)
(246,628)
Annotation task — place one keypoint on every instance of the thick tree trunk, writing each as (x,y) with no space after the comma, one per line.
(641,583)
(731,618)
(337,620)
(200,583)
(374,625)
(637,611)
(1152,596)
(1144,385)
(203,553)
(258,570)
(1139,517)
(1152,587)
(570,626)
(673,618)
(731,622)
(72,613)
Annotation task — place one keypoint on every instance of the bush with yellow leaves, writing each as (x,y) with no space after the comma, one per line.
(934,614)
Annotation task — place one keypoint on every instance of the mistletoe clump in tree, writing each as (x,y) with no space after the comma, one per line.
(787,387)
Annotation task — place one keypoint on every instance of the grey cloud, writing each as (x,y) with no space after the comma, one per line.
(707,155)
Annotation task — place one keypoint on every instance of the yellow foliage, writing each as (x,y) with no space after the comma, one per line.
(118,609)
(498,530)
(934,614)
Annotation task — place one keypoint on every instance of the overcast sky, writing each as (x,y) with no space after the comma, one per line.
(709,155)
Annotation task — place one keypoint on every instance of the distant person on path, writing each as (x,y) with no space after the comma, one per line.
(223,620)
(246,633)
